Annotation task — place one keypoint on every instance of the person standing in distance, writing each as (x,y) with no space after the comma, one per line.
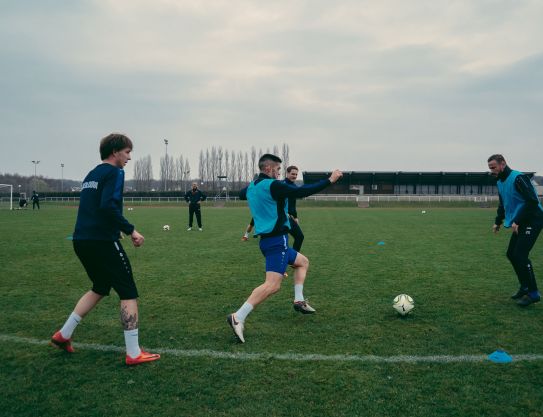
(520,210)
(193,197)
(96,243)
(268,201)
(295,230)
(35,200)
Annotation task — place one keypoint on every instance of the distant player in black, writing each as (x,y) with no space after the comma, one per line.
(35,200)
(520,210)
(96,243)
(248,230)
(295,230)
(193,197)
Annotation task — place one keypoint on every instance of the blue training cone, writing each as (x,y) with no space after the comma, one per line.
(381,243)
(500,356)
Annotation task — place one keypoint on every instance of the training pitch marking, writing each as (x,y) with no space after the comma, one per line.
(297,357)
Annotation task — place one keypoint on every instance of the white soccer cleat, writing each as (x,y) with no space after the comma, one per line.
(237,327)
(189,229)
(303,307)
(200,229)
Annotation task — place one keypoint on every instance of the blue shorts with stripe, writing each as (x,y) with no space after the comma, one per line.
(277,253)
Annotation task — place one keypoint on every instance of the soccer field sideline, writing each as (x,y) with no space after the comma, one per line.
(295,357)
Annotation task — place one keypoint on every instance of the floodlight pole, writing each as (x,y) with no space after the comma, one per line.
(35,162)
(166,165)
(62,178)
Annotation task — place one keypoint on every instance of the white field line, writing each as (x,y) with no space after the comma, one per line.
(297,357)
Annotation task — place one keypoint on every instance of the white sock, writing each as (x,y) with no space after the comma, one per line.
(244,311)
(70,325)
(246,234)
(299,292)
(132,343)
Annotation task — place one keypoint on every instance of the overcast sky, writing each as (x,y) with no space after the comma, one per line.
(397,85)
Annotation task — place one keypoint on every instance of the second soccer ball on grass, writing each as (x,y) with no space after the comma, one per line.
(403,304)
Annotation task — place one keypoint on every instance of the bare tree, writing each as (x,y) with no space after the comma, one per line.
(201,166)
(253,160)
(208,167)
(143,174)
(246,169)
(138,175)
(285,157)
(275,150)
(167,172)
(239,168)
(179,169)
(186,173)
(214,166)
(220,156)
(233,171)
(147,173)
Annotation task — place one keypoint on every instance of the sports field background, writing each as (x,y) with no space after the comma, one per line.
(446,259)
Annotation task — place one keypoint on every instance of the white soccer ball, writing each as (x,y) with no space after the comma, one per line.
(403,304)
(130,209)
(166,227)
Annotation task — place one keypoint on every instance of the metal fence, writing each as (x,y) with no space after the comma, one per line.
(412,198)
(4,201)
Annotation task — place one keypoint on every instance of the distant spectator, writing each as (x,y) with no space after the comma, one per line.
(35,200)
(193,197)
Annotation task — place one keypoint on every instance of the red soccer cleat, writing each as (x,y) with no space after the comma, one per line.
(59,342)
(142,358)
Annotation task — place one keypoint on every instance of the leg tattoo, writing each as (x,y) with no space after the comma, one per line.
(129,321)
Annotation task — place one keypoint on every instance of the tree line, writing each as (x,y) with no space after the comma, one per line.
(219,170)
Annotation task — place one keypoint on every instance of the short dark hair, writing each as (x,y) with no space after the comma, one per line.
(114,142)
(290,168)
(267,157)
(496,157)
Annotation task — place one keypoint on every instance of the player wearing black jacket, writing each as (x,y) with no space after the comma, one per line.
(193,197)
(295,230)
(96,242)
(35,200)
(520,210)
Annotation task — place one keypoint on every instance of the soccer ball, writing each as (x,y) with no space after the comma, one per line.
(403,304)
(166,227)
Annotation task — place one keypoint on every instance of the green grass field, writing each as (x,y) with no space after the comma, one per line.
(447,259)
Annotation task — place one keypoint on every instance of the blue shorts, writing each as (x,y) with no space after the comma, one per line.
(277,253)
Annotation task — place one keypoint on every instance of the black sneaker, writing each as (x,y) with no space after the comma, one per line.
(519,294)
(526,300)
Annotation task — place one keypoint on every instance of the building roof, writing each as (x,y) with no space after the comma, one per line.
(408,177)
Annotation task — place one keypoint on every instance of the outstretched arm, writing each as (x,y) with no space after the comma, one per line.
(281,189)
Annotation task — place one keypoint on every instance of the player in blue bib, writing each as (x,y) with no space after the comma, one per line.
(521,211)
(268,201)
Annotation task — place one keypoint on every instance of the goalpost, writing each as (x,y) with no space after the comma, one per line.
(10,195)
